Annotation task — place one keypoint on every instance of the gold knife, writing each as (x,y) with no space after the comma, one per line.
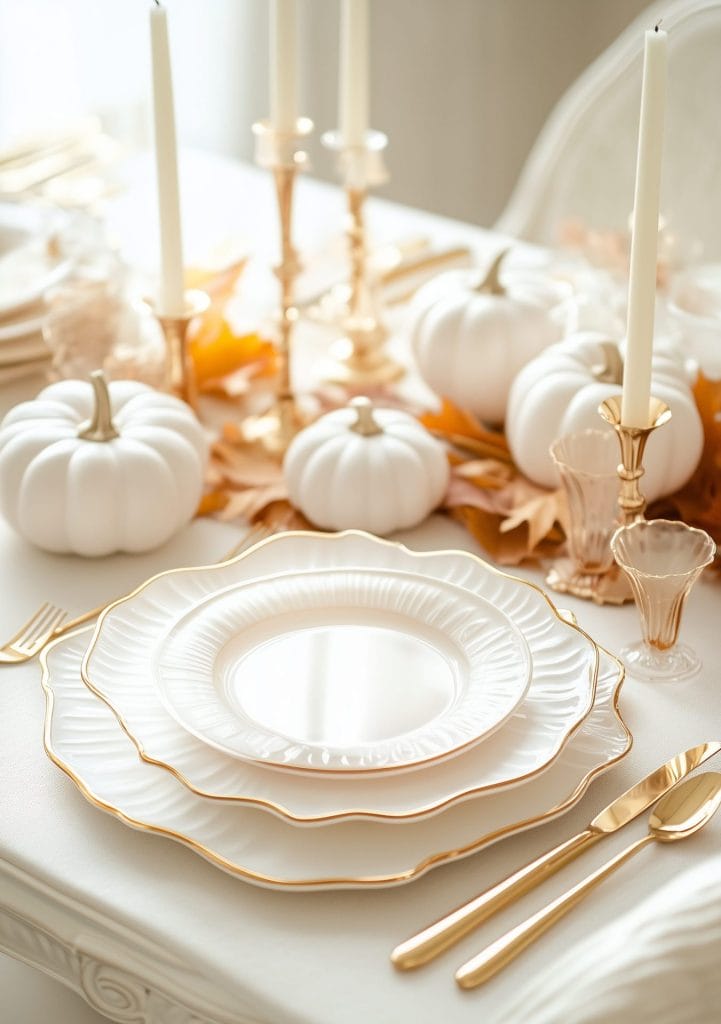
(449,929)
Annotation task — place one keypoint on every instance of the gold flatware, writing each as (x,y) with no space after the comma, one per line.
(450,929)
(418,263)
(26,150)
(87,154)
(49,622)
(312,305)
(680,814)
(31,636)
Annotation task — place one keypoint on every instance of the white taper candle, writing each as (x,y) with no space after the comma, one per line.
(644,242)
(283,66)
(170,299)
(353,100)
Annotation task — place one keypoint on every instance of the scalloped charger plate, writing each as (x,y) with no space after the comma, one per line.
(260,847)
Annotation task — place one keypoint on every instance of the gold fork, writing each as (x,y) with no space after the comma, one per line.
(49,622)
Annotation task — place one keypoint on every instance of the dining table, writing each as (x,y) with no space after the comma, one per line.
(147,931)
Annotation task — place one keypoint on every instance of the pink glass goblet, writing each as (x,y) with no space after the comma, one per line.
(662,560)
(587,465)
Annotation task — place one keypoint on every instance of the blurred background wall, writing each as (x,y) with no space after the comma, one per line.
(462,87)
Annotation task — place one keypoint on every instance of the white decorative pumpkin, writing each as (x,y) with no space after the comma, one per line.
(363,468)
(92,468)
(560,392)
(470,339)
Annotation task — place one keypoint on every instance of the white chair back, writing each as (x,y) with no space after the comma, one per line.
(583,162)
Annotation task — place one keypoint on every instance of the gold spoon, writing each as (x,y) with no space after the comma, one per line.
(683,811)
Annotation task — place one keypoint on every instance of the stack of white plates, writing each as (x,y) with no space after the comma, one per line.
(30,264)
(334,710)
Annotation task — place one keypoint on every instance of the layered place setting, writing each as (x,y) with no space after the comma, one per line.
(439,706)
(468,509)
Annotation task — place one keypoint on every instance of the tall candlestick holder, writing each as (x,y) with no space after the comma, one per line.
(631,502)
(613,587)
(179,369)
(282,153)
(360,359)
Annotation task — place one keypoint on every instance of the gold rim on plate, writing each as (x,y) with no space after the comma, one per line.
(359,813)
(431,861)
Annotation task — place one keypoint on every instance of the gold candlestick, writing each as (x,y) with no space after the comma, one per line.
(360,359)
(631,502)
(281,153)
(179,372)
(613,587)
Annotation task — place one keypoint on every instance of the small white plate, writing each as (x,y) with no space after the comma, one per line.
(83,738)
(117,667)
(342,670)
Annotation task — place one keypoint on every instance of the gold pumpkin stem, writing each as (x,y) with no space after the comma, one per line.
(611,370)
(491,284)
(100,426)
(366,425)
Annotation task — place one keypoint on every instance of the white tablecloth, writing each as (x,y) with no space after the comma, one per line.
(70,873)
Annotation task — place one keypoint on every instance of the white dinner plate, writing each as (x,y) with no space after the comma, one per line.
(29,265)
(83,738)
(342,670)
(118,668)
(20,329)
(25,349)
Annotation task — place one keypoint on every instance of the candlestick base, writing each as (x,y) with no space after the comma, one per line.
(611,587)
(275,429)
(359,359)
(631,502)
(180,372)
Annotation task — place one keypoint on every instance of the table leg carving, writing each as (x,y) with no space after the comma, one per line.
(109,987)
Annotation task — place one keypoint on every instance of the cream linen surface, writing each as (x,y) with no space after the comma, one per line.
(319,958)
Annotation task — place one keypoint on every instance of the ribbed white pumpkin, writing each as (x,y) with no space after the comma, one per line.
(470,339)
(91,468)
(363,468)
(560,392)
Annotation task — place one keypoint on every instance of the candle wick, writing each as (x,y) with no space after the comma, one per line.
(656,27)
(157,4)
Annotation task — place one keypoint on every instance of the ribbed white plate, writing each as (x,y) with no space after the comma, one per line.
(83,737)
(339,670)
(117,667)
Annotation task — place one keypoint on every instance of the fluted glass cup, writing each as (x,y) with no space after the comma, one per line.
(662,560)
(587,464)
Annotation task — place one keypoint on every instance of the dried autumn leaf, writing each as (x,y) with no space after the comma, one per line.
(251,501)
(504,548)
(211,503)
(281,515)
(463,492)
(540,514)
(216,350)
(245,467)
(218,284)
(461,428)
(485,472)
(699,502)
